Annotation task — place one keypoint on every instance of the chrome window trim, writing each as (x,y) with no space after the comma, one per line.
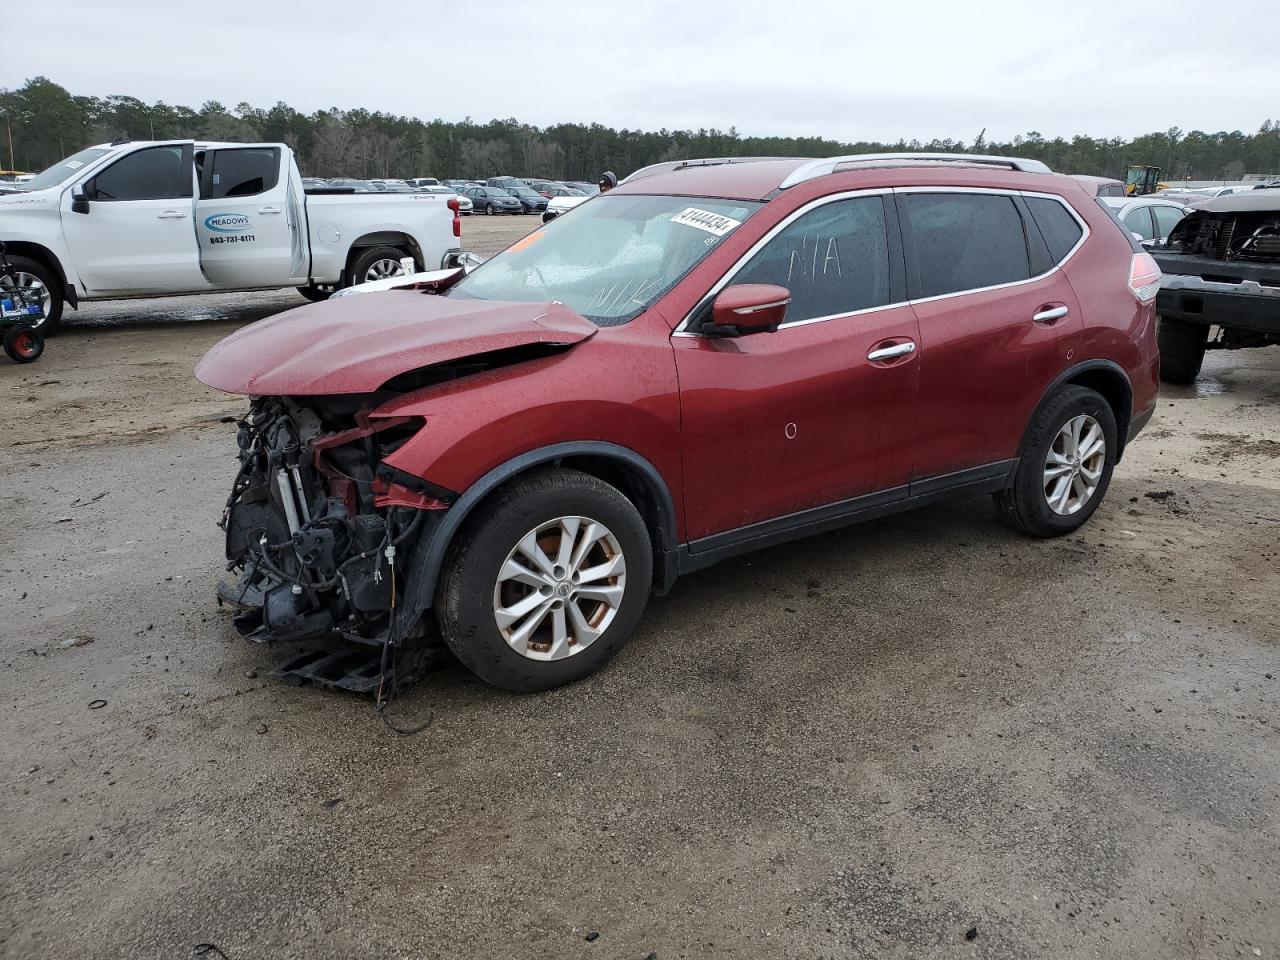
(1084,235)
(682,330)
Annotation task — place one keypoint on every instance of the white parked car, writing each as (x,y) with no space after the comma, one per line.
(559,205)
(1149,219)
(150,218)
(464,203)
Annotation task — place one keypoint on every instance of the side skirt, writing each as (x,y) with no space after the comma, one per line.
(706,551)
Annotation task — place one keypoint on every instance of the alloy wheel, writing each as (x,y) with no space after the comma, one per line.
(32,289)
(560,588)
(382,269)
(1074,464)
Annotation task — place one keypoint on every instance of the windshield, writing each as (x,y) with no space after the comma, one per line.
(612,259)
(65,170)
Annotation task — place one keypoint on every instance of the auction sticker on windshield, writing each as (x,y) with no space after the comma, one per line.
(713,223)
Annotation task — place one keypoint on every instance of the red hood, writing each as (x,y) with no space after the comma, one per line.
(356,344)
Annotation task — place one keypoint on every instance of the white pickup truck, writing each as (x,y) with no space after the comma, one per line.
(152,218)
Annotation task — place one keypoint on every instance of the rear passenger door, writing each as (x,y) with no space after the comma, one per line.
(248,219)
(998,322)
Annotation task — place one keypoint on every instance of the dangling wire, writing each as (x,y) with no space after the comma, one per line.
(387,691)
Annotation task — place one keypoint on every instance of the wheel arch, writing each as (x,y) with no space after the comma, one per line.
(1105,377)
(633,474)
(379,238)
(43,255)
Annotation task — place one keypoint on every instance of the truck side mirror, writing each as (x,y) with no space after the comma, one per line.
(79,200)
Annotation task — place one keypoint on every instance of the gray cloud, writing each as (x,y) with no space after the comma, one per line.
(914,69)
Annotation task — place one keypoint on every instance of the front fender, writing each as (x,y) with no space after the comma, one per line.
(32,227)
(614,388)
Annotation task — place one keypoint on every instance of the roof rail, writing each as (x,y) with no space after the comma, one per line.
(670,165)
(820,168)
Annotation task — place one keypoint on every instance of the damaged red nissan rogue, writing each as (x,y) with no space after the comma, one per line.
(715,356)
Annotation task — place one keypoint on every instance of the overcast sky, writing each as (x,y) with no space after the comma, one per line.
(845,70)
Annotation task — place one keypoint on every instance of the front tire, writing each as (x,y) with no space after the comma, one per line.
(315,292)
(37,282)
(1064,466)
(548,583)
(489,210)
(1181,349)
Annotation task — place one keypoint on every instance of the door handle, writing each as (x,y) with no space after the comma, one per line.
(171,215)
(268,209)
(1050,315)
(890,353)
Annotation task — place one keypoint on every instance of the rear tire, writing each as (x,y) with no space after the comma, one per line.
(478,587)
(1181,349)
(23,344)
(49,280)
(364,260)
(1028,505)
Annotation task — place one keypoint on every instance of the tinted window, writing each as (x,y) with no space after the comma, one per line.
(965,241)
(1111,190)
(1138,220)
(1166,219)
(240,173)
(1060,230)
(834,260)
(156,173)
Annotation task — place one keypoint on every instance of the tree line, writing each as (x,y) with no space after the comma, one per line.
(43,122)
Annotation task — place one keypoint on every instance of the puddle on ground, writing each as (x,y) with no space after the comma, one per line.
(1203,387)
(1208,387)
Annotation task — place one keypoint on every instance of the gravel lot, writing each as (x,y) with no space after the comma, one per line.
(922,737)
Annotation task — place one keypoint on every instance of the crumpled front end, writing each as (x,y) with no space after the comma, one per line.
(318,530)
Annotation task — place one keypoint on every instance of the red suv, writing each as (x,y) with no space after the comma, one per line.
(714,357)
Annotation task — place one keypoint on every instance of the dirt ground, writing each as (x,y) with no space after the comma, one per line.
(923,737)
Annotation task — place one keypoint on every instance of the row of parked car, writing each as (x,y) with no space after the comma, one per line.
(493,196)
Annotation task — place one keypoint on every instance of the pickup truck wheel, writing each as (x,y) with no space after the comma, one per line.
(316,292)
(38,284)
(377,263)
(1064,466)
(547,583)
(1181,349)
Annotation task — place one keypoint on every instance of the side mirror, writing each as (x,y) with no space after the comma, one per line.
(748,308)
(79,200)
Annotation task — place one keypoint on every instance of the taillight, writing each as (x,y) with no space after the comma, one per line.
(457,218)
(1144,277)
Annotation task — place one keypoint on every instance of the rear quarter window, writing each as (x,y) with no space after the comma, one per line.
(1059,228)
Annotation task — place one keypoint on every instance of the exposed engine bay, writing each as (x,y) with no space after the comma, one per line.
(1235,235)
(316,530)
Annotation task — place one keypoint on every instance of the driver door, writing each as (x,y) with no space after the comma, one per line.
(137,235)
(781,429)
